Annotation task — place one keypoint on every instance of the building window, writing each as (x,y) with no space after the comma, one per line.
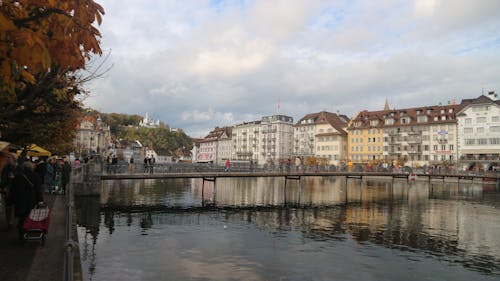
(481,120)
(435,157)
(374,122)
(422,119)
(451,146)
(468,130)
(480,129)
(468,120)
(470,141)
(482,141)
(495,141)
(495,129)
(443,147)
(495,118)
(435,147)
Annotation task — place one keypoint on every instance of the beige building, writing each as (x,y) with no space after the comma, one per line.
(322,135)
(92,136)
(224,145)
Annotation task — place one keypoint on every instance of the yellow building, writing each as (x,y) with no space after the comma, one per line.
(365,137)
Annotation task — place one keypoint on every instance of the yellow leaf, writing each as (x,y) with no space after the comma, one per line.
(28,77)
(6,23)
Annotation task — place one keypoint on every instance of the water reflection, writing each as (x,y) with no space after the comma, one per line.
(425,230)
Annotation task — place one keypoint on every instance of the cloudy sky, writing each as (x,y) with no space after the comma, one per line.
(200,64)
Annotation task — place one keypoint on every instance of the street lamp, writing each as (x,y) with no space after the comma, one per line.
(90,146)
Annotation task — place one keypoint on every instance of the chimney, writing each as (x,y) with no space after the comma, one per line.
(492,95)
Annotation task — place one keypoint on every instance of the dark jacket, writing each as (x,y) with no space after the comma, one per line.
(26,192)
(66,172)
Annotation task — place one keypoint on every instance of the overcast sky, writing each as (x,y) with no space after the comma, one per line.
(200,64)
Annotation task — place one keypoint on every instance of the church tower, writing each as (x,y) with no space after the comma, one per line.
(386,106)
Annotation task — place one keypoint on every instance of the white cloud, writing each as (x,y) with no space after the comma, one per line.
(197,65)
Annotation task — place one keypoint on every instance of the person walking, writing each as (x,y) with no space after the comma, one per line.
(227,166)
(48,179)
(65,174)
(26,193)
(145,164)
(131,165)
(7,172)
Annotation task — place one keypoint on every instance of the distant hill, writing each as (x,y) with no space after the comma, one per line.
(162,140)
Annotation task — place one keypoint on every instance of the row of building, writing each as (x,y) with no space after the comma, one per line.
(468,132)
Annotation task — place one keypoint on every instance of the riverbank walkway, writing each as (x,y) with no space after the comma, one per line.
(30,260)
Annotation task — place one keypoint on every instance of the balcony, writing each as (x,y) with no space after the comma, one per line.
(442,141)
(415,140)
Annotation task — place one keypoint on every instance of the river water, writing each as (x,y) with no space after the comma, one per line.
(260,229)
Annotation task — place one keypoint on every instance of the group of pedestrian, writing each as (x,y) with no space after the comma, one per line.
(53,173)
(149,162)
(23,182)
(112,162)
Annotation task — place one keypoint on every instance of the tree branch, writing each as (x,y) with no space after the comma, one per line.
(39,14)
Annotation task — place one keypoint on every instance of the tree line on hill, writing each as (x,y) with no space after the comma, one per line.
(161,139)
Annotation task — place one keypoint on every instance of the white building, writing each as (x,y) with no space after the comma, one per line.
(276,139)
(479,131)
(245,139)
(149,122)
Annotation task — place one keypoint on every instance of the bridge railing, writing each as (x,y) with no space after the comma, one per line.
(162,168)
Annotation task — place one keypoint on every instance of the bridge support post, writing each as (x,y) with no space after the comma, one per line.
(209,179)
(287,177)
(346,182)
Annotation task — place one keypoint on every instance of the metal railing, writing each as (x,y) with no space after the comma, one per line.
(70,244)
(163,168)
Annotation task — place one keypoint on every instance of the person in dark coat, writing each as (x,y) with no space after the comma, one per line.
(7,172)
(26,192)
(65,174)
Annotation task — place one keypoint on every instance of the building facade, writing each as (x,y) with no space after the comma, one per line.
(479,132)
(245,139)
(224,145)
(365,137)
(409,136)
(276,137)
(92,136)
(209,146)
(321,135)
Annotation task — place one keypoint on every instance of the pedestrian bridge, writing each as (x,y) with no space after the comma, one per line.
(298,175)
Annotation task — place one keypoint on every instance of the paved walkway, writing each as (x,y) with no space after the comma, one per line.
(31,261)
